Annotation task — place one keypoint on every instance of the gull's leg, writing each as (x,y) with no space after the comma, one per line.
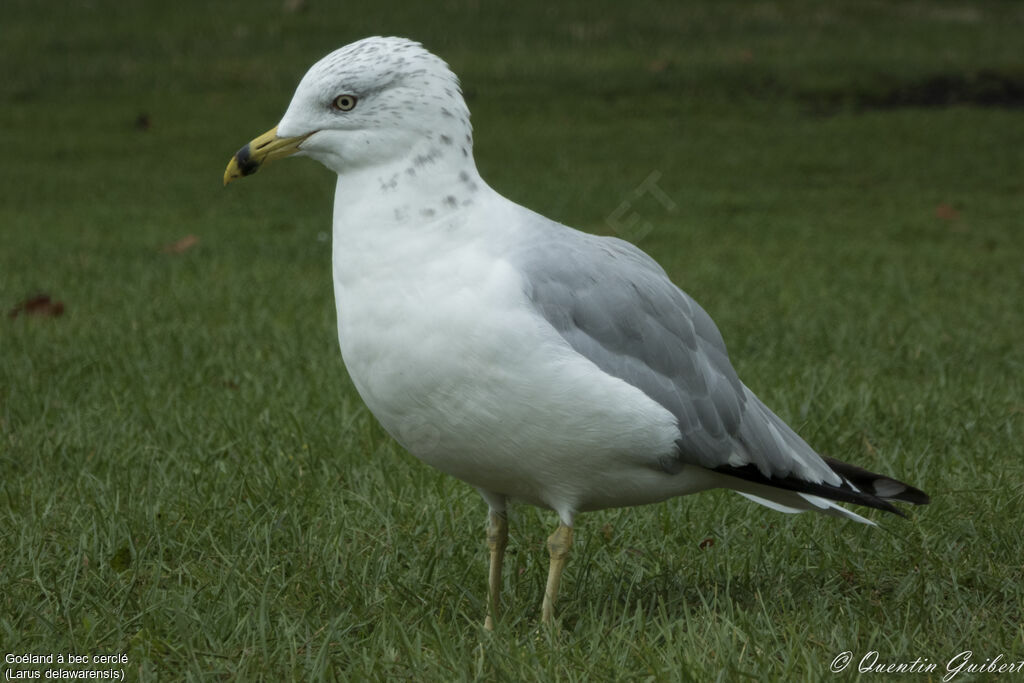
(559,544)
(497,539)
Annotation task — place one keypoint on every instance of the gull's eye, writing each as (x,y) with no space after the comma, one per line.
(344,102)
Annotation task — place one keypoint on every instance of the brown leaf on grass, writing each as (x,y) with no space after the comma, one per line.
(181,246)
(946,212)
(40,304)
(659,65)
(706,543)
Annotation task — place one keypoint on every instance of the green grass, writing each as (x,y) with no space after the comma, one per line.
(188,476)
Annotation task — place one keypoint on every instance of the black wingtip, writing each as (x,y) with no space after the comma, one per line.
(878,485)
(860,486)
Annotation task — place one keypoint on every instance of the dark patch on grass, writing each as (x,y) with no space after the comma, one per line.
(989,88)
(121,561)
(39,305)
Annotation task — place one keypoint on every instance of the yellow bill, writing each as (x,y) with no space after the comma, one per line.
(262,150)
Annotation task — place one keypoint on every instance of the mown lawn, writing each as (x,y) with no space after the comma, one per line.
(188,478)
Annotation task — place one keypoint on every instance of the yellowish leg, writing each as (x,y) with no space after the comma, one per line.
(497,539)
(559,544)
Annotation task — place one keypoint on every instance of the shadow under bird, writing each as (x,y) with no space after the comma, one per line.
(535,362)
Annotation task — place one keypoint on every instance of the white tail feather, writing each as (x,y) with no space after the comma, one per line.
(792,502)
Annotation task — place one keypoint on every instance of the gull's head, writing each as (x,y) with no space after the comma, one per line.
(374,101)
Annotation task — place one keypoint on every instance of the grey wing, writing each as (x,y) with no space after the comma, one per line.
(615,305)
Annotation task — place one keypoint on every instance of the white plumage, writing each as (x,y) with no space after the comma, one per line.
(534,362)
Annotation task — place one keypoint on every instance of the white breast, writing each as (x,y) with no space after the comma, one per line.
(447,353)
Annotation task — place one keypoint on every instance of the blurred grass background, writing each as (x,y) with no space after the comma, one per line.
(187,475)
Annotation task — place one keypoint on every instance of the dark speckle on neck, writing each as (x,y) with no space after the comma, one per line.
(465,180)
(430,157)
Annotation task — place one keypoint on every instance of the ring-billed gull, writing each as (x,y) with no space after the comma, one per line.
(533,361)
